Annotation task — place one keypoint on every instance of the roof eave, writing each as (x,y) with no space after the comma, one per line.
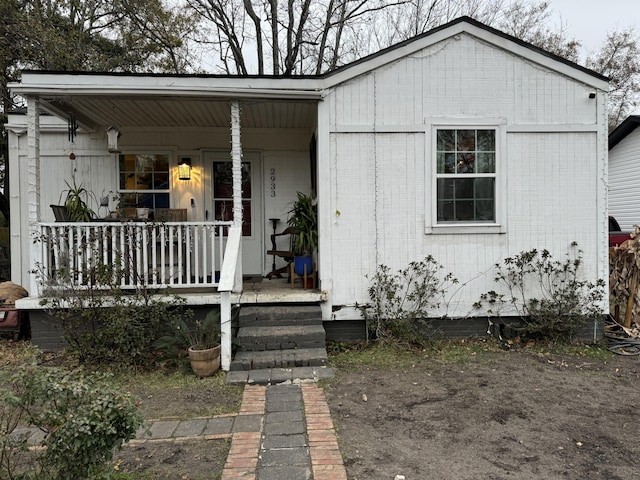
(623,130)
(49,84)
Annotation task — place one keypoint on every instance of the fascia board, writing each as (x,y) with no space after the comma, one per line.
(56,85)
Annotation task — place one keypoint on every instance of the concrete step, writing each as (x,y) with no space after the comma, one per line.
(280,337)
(269,359)
(265,315)
(274,376)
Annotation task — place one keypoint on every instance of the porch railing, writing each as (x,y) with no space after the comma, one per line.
(133,254)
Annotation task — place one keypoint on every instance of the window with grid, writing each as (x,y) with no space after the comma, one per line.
(144,180)
(465,175)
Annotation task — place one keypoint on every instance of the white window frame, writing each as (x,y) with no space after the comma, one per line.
(500,224)
(170,157)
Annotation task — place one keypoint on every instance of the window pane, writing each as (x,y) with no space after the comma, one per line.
(487,140)
(446,140)
(466,162)
(161,200)
(486,162)
(484,197)
(246,180)
(224,210)
(161,181)
(223,181)
(466,140)
(463,188)
(128,200)
(445,189)
(446,162)
(464,210)
(246,218)
(161,163)
(466,199)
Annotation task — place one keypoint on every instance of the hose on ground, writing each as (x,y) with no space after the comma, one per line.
(618,341)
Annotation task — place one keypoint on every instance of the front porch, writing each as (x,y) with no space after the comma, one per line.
(199,261)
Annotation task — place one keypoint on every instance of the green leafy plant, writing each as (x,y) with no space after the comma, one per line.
(76,201)
(202,335)
(84,417)
(402,301)
(102,323)
(548,295)
(303,217)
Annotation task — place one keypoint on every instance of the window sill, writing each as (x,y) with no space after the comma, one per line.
(466,228)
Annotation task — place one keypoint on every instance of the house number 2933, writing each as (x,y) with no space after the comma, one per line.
(273,182)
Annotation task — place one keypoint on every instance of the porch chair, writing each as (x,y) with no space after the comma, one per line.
(287,255)
(60,212)
(170,214)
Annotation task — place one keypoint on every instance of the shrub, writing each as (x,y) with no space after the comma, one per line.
(102,323)
(401,301)
(84,418)
(547,294)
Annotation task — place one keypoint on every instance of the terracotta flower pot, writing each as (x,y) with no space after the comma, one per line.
(205,363)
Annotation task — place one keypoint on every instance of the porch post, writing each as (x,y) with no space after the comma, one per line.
(225,330)
(33,190)
(236,172)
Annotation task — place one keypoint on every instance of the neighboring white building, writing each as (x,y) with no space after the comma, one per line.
(376,141)
(624,173)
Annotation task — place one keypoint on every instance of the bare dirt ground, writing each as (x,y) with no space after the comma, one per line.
(181,460)
(489,414)
(192,460)
(498,415)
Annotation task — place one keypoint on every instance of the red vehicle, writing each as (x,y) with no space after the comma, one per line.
(616,235)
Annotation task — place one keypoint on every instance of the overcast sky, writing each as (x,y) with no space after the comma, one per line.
(590,20)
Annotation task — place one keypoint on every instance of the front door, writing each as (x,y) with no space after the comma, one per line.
(220,203)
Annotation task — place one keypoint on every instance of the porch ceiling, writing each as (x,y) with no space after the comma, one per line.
(193,112)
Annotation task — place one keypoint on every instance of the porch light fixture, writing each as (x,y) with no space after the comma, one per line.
(184,168)
(112,139)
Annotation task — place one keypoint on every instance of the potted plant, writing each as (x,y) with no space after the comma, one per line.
(77,202)
(303,216)
(202,342)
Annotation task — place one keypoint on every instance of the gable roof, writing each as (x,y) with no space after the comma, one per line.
(116,98)
(480,30)
(625,128)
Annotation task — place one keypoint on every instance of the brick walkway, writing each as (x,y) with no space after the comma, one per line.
(295,440)
(282,432)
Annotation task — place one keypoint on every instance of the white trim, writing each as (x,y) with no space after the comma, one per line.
(326,202)
(431,213)
(553,128)
(191,86)
(377,129)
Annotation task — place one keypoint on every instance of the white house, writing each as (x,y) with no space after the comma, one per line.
(624,172)
(376,142)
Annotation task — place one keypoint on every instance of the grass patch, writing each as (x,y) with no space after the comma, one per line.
(181,396)
(391,354)
(460,351)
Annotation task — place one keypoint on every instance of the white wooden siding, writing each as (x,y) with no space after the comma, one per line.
(624,181)
(464,77)
(378,124)
(97,170)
